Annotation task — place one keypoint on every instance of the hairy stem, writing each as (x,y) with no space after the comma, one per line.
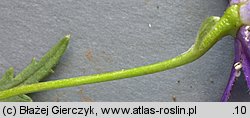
(226,25)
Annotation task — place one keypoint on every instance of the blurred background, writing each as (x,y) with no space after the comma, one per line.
(119,34)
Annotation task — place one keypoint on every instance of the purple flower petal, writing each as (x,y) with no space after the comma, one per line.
(245,13)
(237,53)
(227,91)
(244,37)
(233,2)
(246,69)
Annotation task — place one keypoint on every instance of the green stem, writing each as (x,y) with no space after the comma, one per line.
(192,54)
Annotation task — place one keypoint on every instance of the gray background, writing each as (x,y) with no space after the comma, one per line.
(110,35)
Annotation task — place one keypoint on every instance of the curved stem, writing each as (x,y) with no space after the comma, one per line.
(192,54)
(185,58)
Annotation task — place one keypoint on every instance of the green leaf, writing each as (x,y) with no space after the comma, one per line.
(18,98)
(35,71)
(7,77)
(206,26)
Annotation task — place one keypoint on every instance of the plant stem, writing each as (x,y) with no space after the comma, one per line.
(143,70)
(192,54)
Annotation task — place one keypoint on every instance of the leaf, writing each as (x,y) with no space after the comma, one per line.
(35,71)
(7,77)
(206,26)
(19,98)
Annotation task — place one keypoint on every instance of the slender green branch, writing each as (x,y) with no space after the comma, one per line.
(219,30)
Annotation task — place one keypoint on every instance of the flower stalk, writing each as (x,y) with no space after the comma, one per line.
(211,31)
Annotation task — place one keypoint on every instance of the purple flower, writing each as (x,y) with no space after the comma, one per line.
(232,2)
(245,13)
(241,60)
